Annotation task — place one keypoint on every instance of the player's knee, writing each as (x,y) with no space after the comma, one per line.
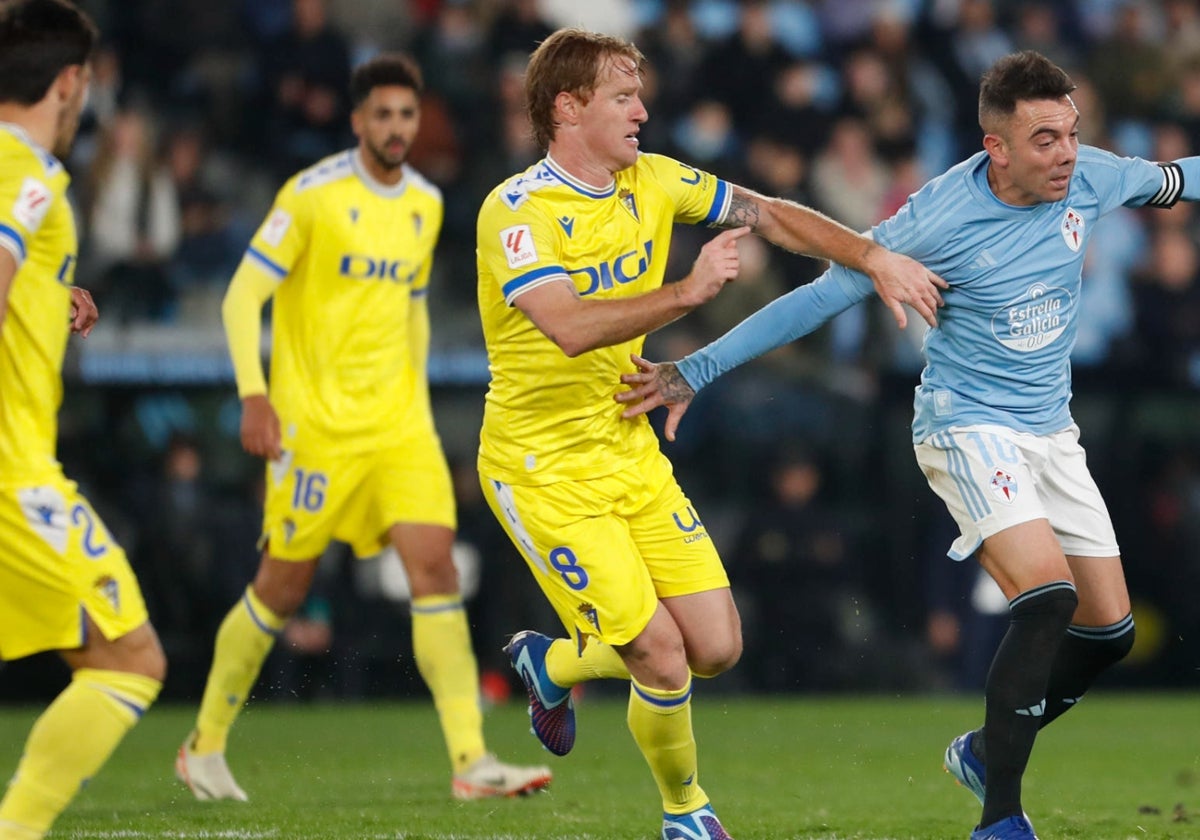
(435,576)
(153,664)
(716,659)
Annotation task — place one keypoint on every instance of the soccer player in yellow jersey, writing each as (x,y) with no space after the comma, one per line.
(65,585)
(571,259)
(346,424)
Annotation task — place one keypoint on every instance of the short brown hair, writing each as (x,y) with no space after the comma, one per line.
(1019,77)
(569,60)
(385,70)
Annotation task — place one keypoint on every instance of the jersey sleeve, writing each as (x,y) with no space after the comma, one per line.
(284,234)
(699,198)
(26,196)
(783,320)
(518,248)
(1134,182)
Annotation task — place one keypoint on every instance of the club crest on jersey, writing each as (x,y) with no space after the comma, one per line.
(629,203)
(519,249)
(1072,229)
(110,590)
(588,611)
(1003,485)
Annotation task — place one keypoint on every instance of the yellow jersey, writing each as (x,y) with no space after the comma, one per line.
(547,416)
(37,227)
(352,257)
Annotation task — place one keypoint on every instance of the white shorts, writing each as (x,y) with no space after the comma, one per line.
(992,478)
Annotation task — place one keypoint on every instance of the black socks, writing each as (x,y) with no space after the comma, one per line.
(1016,690)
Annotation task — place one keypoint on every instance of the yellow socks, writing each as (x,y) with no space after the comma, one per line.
(566,667)
(67,745)
(661,723)
(246,637)
(442,648)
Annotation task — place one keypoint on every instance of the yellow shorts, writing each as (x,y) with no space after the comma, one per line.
(605,550)
(58,561)
(314,498)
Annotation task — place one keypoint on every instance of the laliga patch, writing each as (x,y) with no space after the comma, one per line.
(33,201)
(275,227)
(519,249)
(46,512)
(1072,229)
(1003,486)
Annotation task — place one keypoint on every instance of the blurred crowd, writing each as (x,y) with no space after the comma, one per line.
(200,109)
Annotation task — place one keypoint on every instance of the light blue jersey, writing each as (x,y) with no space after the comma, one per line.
(1001,351)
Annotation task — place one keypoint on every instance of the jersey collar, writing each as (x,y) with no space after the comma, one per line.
(378,187)
(576,184)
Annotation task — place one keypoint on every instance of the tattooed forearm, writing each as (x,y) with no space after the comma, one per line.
(673,387)
(743,210)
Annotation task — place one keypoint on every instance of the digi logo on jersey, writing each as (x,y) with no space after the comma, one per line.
(624,269)
(359,267)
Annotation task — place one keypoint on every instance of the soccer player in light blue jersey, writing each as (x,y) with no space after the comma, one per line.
(993,433)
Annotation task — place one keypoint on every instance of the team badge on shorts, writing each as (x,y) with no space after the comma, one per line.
(1003,485)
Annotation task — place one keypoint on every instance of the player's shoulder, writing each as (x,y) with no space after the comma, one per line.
(659,166)
(516,191)
(1089,156)
(20,156)
(418,182)
(1100,170)
(323,173)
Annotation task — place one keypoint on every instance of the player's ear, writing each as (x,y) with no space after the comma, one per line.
(996,148)
(568,106)
(70,81)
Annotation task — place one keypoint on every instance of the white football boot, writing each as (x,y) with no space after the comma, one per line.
(207,776)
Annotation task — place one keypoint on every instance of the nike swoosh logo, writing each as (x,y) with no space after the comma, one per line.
(529,675)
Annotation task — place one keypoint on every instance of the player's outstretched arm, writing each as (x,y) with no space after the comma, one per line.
(898,279)
(577,324)
(654,385)
(84,313)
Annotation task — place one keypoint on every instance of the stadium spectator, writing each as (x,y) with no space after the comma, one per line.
(306,73)
(133,219)
(65,584)
(795,559)
(1000,450)
(346,425)
(591,502)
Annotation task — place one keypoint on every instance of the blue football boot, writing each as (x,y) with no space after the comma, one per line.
(551,709)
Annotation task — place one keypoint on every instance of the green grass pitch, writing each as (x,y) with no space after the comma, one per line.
(835,768)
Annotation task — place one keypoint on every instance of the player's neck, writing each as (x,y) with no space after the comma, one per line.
(389,177)
(580,166)
(38,122)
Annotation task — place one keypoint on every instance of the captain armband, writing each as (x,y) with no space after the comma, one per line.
(1172,186)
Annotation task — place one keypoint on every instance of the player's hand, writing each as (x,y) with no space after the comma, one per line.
(902,280)
(717,264)
(261,433)
(655,385)
(84,313)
